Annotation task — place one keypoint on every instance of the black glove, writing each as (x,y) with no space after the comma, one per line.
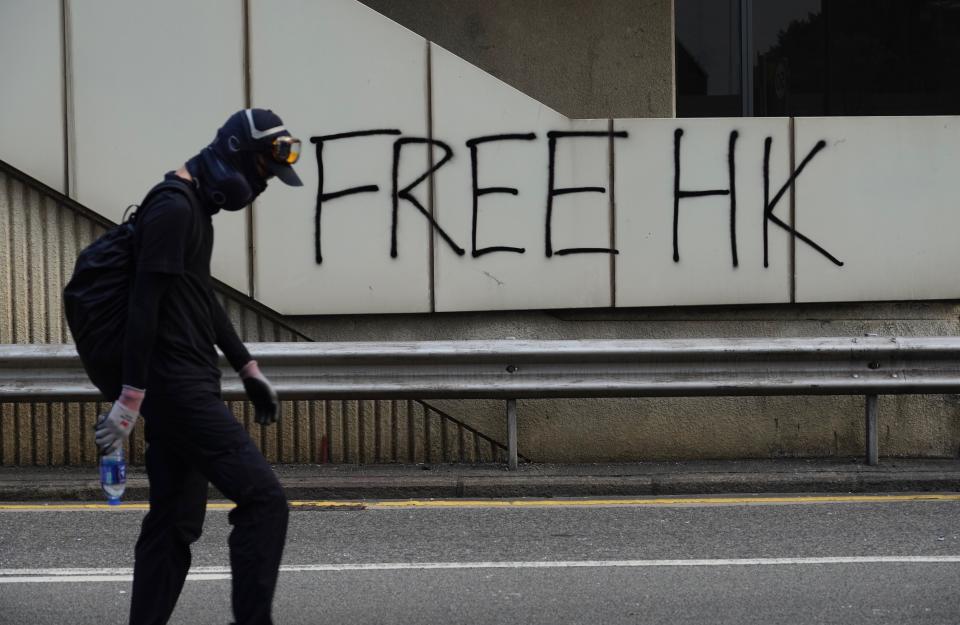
(260,392)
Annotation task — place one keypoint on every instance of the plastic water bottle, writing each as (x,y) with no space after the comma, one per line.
(113,475)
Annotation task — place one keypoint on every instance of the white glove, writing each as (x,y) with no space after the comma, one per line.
(114,427)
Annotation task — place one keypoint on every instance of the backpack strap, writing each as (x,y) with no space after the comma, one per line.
(176,184)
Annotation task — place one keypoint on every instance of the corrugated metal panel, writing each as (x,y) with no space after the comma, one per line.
(39,240)
(40,244)
(41,233)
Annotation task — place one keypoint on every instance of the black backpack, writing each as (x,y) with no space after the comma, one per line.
(96,300)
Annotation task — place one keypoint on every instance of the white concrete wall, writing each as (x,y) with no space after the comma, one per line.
(884,196)
(342,68)
(718,257)
(471,104)
(150,82)
(31,95)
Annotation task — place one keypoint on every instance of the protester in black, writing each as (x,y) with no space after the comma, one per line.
(171,376)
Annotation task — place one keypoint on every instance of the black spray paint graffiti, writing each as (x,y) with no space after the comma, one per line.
(768,206)
(679,194)
(552,191)
(473,144)
(405,193)
(326,197)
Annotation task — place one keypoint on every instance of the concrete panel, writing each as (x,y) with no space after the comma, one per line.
(881,197)
(612,58)
(728,428)
(505,137)
(31,96)
(717,255)
(365,73)
(144,103)
(810,320)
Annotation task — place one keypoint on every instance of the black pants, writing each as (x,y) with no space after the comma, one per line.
(193,439)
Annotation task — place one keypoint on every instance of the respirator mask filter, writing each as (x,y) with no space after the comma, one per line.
(223,185)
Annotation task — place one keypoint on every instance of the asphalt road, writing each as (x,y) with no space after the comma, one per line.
(845,560)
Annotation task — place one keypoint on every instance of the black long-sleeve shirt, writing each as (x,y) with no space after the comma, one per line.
(174,318)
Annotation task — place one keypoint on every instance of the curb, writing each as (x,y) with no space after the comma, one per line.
(454,486)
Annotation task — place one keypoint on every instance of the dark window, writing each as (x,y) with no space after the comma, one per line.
(708,58)
(822,57)
(788,55)
(892,57)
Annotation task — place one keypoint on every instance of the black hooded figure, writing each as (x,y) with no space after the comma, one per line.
(171,375)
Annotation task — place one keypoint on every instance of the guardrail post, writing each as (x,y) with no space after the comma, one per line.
(512,434)
(873,452)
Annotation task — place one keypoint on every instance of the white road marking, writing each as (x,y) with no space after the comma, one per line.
(685,501)
(206,573)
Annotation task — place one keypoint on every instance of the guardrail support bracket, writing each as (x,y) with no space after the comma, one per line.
(873,452)
(512,434)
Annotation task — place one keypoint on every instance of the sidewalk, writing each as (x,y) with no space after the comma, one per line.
(324,482)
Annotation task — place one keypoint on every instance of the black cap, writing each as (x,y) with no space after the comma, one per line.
(253,130)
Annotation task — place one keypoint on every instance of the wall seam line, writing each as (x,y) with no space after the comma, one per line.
(63,96)
(69,127)
(673,56)
(611,163)
(431,190)
(793,210)
(248,103)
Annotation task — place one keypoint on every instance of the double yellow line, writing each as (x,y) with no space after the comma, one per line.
(515,503)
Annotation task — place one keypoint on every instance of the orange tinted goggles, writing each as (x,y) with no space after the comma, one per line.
(286,150)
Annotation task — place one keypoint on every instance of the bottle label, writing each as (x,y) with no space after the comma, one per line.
(113,472)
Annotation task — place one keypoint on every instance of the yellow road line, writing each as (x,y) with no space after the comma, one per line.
(657,501)
(61,507)
(518,503)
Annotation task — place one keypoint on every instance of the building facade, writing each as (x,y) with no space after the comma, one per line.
(452,71)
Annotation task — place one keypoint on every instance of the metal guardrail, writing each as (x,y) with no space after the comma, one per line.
(511,370)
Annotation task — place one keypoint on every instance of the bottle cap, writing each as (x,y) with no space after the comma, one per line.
(113,501)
